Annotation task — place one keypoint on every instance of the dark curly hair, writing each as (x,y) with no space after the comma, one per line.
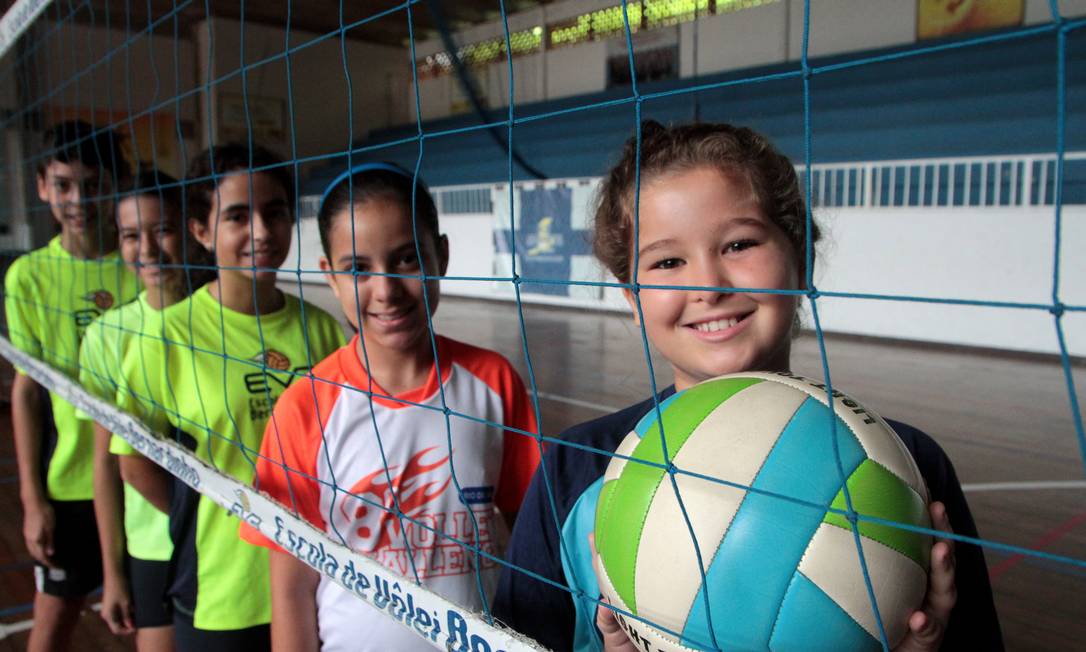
(729,149)
(151,182)
(76,141)
(206,171)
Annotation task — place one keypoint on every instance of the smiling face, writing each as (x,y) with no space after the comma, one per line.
(151,241)
(704,228)
(77,195)
(389,311)
(249,226)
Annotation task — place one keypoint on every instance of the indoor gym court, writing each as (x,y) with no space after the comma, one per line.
(883,117)
(1003,420)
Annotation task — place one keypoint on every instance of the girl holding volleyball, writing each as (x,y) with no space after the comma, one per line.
(719,207)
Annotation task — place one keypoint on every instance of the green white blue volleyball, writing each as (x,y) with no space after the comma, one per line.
(780,574)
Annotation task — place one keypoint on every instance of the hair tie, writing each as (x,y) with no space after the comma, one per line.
(357,169)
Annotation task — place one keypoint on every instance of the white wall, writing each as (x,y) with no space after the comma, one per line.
(528,80)
(980,254)
(471,253)
(9,93)
(576,69)
(89,72)
(838,26)
(724,42)
(758,36)
(434,97)
(378,77)
(986,254)
(305,254)
(126,79)
(22,233)
(1039,11)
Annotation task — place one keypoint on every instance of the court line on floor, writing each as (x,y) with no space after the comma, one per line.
(16,610)
(1050,537)
(16,565)
(599,407)
(7,629)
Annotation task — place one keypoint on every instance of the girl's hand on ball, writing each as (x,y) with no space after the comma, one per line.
(614,639)
(928,625)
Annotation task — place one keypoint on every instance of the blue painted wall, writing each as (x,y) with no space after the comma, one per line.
(995,98)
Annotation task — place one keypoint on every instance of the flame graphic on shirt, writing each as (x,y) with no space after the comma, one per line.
(373,528)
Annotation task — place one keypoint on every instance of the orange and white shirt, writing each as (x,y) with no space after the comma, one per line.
(321,456)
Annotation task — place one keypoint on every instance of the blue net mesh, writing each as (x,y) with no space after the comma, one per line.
(160,127)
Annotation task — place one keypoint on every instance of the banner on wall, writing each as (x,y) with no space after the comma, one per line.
(551,240)
(936,18)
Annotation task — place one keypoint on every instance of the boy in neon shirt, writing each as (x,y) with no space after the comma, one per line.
(370,432)
(52,295)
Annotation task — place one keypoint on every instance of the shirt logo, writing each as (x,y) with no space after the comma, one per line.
(272,359)
(544,240)
(435,537)
(100,298)
(416,486)
(265,385)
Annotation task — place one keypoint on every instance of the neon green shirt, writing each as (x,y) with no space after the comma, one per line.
(107,341)
(221,403)
(51,297)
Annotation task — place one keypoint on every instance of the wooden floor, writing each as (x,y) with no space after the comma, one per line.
(1004,420)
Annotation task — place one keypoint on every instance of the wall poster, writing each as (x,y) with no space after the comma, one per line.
(936,18)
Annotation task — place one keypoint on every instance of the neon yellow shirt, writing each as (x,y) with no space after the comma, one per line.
(218,386)
(51,297)
(107,341)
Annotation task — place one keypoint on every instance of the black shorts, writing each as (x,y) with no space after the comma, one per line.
(189,639)
(77,554)
(148,581)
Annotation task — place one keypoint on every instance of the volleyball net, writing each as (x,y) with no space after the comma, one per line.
(129,69)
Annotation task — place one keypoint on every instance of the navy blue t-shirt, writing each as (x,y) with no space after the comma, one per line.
(552,543)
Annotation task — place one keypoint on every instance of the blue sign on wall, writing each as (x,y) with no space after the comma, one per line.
(546,239)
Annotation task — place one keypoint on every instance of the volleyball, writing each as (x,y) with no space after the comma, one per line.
(781,568)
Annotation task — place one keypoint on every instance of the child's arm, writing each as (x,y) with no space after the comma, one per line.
(108,511)
(973,622)
(151,402)
(290,443)
(26,397)
(533,607)
(520,452)
(294,604)
(148,478)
